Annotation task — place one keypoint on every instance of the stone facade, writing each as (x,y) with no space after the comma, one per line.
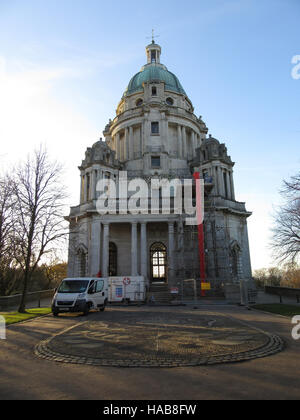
(156,134)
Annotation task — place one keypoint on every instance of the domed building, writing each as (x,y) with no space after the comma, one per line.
(156,134)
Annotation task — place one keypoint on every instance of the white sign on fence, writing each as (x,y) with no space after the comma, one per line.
(2,328)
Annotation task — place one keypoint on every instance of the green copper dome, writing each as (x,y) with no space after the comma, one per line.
(154,73)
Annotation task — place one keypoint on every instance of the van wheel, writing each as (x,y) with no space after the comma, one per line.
(102,308)
(55,313)
(87,310)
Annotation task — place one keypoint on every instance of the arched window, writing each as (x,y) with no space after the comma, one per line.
(158,263)
(113,260)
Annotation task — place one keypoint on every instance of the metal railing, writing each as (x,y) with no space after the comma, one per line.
(283,292)
(8,302)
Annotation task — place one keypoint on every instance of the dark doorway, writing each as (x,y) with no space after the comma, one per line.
(159,263)
(113,260)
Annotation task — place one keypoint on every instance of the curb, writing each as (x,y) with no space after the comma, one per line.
(272,313)
(27,320)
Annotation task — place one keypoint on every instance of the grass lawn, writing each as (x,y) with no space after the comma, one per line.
(14,317)
(278,308)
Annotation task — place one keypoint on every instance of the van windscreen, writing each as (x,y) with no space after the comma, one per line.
(73,286)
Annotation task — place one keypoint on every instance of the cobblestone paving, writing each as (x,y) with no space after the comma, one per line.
(159,337)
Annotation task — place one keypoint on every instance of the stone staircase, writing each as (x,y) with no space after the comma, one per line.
(160,293)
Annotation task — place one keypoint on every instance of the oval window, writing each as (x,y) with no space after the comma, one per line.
(170,101)
(139,102)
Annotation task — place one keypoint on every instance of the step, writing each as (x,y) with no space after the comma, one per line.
(160,297)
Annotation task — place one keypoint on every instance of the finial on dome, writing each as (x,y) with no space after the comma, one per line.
(153,37)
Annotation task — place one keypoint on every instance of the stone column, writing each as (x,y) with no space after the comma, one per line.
(147,133)
(85,199)
(90,192)
(105,259)
(95,247)
(141,140)
(117,137)
(131,143)
(171,252)
(232,185)
(179,141)
(81,188)
(228,185)
(221,181)
(216,180)
(98,177)
(240,271)
(93,184)
(126,144)
(180,249)
(144,253)
(184,142)
(197,141)
(134,271)
(165,137)
(193,144)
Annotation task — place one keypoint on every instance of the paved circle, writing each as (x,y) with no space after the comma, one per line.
(158,337)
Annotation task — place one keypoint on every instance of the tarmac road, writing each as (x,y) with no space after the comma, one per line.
(25,376)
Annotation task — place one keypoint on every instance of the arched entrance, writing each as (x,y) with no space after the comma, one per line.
(159,263)
(113,260)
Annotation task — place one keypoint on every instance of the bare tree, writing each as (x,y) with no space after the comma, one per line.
(39,226)
(286,233)
(7,275)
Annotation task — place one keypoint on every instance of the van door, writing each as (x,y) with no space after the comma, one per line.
(92,293)
(99,295)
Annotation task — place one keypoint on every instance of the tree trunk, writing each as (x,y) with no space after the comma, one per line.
(22,306)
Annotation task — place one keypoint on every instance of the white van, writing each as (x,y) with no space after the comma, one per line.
(80,295)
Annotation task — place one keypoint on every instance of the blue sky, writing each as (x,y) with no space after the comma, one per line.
(65,64)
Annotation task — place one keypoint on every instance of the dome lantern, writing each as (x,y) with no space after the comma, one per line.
(153,52)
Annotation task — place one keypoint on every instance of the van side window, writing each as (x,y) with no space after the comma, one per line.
(99,286)
(92,287)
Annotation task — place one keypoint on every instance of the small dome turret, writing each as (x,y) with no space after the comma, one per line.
(154,72)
